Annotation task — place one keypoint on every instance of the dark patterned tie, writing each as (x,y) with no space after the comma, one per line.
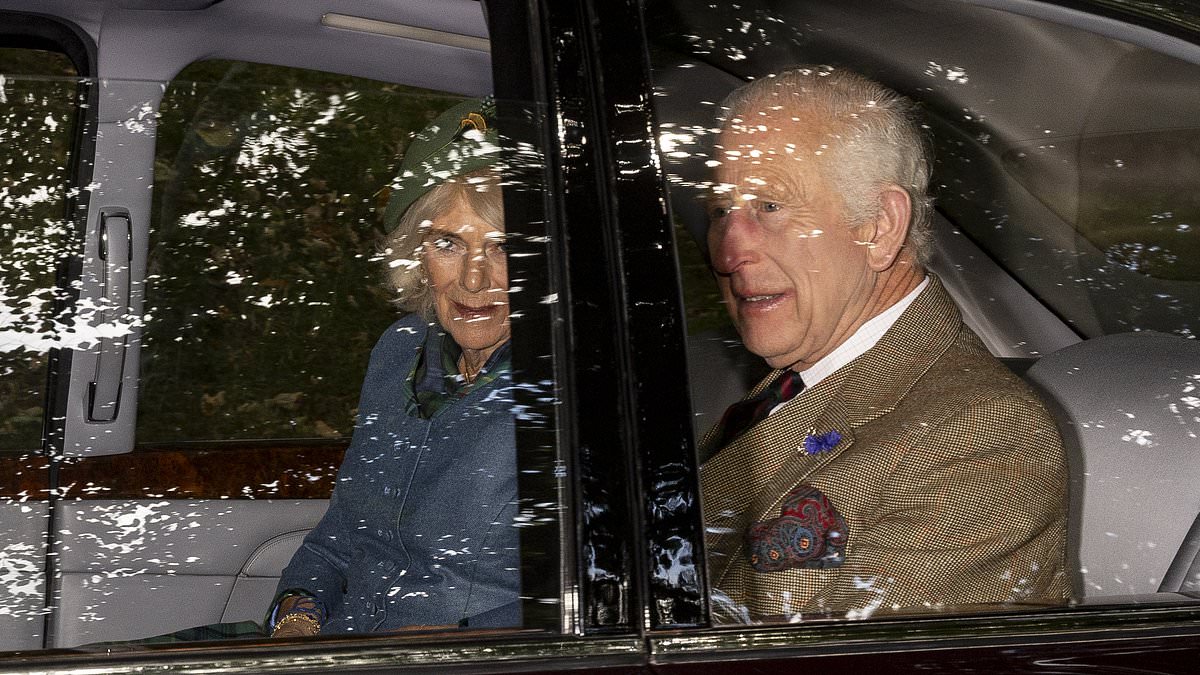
(744,414)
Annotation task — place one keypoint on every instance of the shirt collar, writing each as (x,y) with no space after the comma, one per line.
(867,336)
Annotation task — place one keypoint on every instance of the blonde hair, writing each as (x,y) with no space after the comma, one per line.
(403,250)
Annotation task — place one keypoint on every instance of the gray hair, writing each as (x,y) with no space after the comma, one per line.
(884,144)
(403,250)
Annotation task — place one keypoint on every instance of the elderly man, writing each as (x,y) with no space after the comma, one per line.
(889,461)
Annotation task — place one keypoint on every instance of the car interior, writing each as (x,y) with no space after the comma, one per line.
(1034,114)
(1068,230)
(135,568)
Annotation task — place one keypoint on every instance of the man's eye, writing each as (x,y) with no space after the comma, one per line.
(770,207)
(718,211)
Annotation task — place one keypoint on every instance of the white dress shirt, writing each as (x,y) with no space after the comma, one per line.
(863,339)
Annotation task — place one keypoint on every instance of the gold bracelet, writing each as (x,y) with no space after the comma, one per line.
(298,616)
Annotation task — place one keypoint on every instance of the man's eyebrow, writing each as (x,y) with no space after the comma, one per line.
(713,191)
(785,191)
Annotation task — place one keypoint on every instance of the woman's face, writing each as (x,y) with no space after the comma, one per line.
(468,275)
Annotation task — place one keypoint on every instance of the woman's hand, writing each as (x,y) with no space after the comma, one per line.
(299,616)
(296,624)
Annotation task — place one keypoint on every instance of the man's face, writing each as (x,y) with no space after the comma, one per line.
(795,280)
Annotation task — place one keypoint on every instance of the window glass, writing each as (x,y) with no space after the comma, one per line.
(1113,174)
(283,342)
(314,442)
(1061,239)
(38,94)
(266,284)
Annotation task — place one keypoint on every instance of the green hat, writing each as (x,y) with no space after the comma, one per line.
(461,140)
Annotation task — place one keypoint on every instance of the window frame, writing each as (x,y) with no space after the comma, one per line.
(1068,630)
(616,269)
(517,79)
(36,476)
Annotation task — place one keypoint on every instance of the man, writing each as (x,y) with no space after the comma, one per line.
(912,470)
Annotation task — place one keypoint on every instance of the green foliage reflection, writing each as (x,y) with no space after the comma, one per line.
(37,117)
(265,292)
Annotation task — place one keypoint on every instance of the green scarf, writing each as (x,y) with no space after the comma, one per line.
(436,383)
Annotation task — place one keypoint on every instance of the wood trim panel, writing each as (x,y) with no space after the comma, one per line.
(229,471)
(24,477)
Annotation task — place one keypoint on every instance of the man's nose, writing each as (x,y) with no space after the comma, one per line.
(476,272)
(736,241)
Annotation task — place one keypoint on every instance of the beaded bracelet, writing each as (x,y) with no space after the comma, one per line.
(293,617)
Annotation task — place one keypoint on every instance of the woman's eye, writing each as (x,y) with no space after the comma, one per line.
(496,244)
(443,244)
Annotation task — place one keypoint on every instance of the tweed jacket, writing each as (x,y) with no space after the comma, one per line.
(945,468)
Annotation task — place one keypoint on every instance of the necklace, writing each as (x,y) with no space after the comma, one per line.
(466,371)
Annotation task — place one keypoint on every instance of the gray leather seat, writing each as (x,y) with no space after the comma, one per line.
(1129,410)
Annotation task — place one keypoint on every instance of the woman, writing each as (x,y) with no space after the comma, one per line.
(419,530)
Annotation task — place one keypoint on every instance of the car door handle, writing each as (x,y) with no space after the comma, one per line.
(116,248)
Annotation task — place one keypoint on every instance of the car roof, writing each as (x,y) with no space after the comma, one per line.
(435,44)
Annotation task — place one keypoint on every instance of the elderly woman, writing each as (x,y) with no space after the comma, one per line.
(419,529)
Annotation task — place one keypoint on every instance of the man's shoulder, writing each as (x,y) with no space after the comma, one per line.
(967,382)
(966,372)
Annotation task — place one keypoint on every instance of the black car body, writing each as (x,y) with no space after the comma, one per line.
(158,474)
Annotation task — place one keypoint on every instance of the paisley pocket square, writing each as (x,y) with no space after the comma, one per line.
(809,533)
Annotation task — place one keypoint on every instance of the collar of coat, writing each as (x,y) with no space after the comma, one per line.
(749,476)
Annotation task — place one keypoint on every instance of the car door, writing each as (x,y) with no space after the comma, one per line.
(43,66)
(175,496)
(614,557)
(1061,229)
(223,266)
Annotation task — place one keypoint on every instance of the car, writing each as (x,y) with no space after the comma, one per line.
(190,286)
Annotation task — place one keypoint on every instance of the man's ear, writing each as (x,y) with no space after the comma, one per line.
(891,227)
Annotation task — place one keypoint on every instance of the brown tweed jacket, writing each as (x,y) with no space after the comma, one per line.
(950,476)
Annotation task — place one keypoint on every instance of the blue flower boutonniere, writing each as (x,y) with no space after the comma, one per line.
(815,445)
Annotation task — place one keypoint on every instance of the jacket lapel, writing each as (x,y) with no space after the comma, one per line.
(833,418)
(746,481)
(769,454)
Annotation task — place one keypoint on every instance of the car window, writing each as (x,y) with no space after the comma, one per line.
(1112,179)
(38,95)
(267,356)
(1062,229)
(266,286)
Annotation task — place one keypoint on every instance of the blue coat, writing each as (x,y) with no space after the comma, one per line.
(420,527)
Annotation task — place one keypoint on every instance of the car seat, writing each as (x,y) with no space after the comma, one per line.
(1128,406)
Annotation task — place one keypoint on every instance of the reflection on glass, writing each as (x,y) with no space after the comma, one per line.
(1066,210)
(263,284)
(272,273)
(37,114)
